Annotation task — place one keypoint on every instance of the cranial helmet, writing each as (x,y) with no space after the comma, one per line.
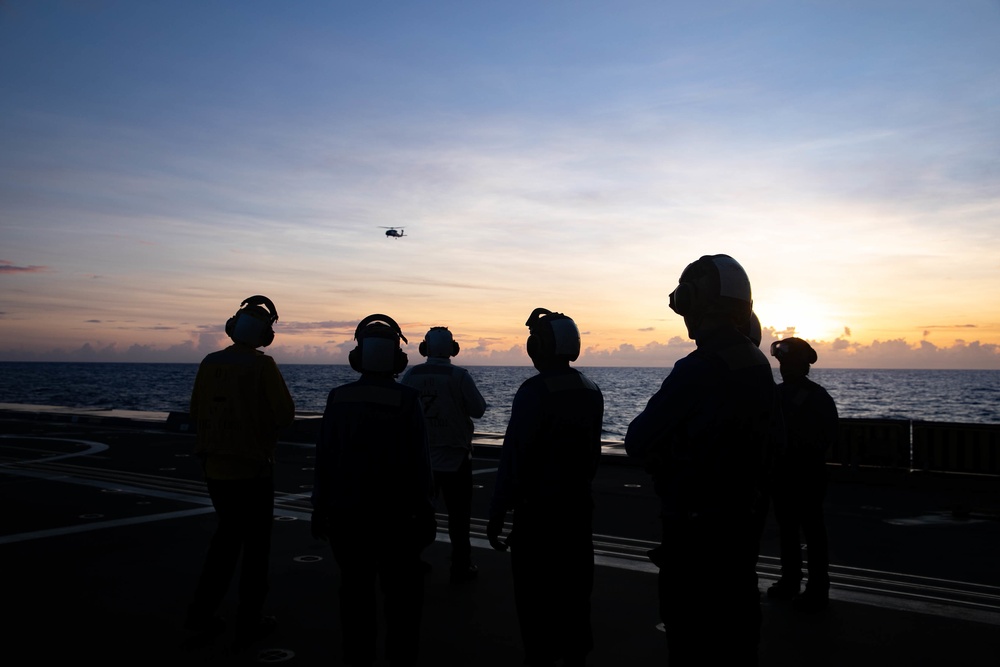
(552,335)
(253,323)
(713,284)
(793,351)
(378,349)
(438,342)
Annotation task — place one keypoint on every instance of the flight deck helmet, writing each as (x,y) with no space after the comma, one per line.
(713,285)
(378,349)
(253,323)
(438,342)
(794,357)
(793,351)
(552,336)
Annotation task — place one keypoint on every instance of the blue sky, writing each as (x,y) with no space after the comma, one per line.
(162,161)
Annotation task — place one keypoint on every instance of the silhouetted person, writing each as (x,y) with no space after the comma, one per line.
(800,479)
(705,437)
(450,400)
(549,458)
(372,496)
(238,404)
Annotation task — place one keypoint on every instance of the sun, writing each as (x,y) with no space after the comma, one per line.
(811,319)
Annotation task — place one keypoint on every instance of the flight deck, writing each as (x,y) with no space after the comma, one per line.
(107,520)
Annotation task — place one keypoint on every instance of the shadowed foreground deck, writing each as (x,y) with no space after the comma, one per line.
(106,522)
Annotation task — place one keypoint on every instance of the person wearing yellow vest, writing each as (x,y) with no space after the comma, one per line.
(239,402)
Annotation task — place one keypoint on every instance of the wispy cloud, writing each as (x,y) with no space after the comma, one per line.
(949,326)
(9,267)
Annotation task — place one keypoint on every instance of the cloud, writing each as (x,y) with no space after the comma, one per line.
(7,267)
(652,354)
(949,326)
(328,325)
(840,344)
(838,353)
(900,353)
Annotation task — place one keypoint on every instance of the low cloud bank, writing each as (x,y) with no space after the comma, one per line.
(839,353)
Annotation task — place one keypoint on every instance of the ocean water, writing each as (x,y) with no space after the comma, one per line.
(929,395)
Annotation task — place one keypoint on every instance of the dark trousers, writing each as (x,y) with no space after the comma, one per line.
(709,602)
(552,562)
(798,510)
(245,511)
(370,556)
(456,489)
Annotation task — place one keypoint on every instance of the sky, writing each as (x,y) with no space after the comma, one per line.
(161,162)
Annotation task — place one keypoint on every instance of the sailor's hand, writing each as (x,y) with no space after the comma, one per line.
(494,529)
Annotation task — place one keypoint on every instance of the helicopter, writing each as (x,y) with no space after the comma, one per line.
(393,233)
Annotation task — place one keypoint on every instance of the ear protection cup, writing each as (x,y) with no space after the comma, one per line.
(534,346)
(262,310)
(683,298)
(378,330)
(539,344)
(354,358)
(751,329)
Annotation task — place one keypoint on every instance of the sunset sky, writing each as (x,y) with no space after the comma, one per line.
(160,162)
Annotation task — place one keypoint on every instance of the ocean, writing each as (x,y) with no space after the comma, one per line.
(928,395)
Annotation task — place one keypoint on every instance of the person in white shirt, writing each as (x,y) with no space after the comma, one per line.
(451,401)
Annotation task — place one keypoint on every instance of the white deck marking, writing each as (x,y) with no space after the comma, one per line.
(99,525)
(92,448)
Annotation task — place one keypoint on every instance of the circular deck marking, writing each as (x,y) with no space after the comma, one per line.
(285,518)
(633,486)
(91,448)
(275,655)
(310,558)
(477,486)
